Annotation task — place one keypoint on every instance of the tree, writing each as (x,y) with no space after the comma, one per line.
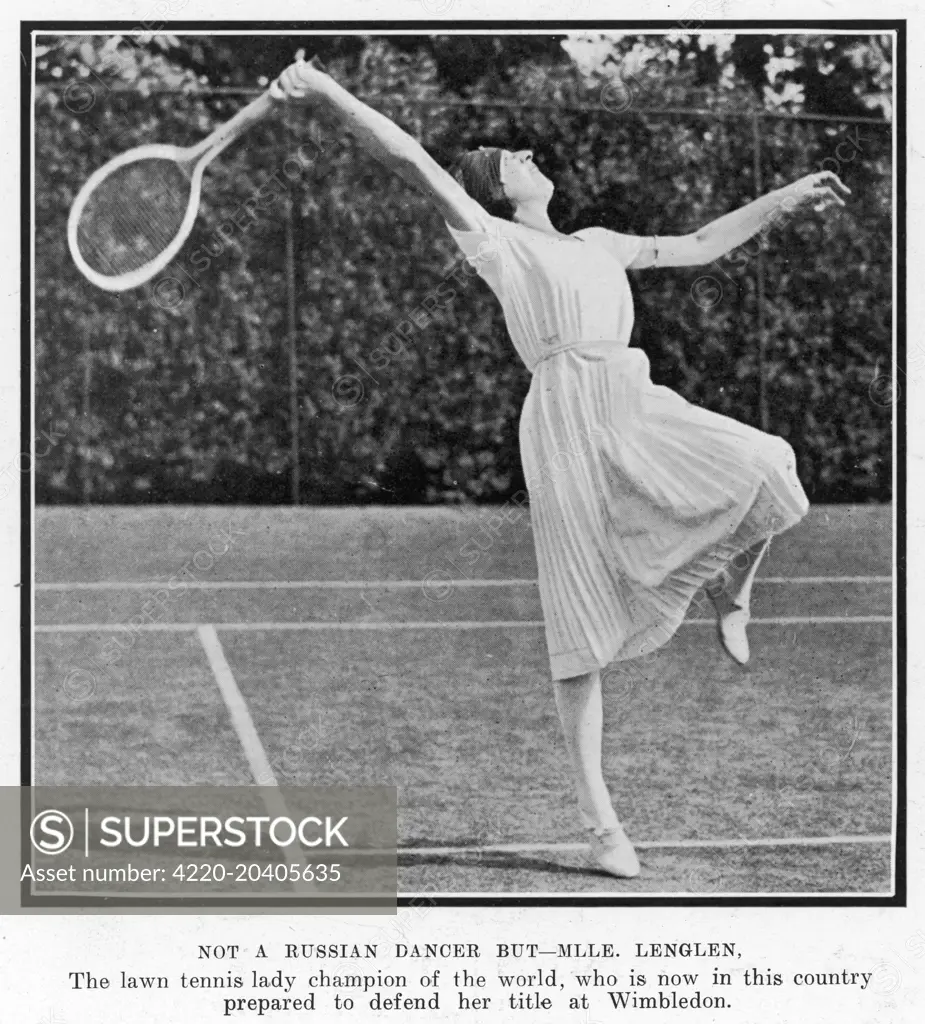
(188,399)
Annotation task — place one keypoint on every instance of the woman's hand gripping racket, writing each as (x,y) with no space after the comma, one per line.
(133,214)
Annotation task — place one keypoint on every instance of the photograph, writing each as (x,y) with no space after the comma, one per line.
(510,416)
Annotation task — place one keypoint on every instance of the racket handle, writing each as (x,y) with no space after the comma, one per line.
(315,62)
(245,118)
(248,116)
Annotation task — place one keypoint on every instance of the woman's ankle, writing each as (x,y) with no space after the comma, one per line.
(723,602)
(599,823)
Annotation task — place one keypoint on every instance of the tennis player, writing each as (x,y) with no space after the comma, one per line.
(638,499)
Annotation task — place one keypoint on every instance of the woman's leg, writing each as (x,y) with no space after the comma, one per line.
(744,569)
(581,711)
(733,588)
(580,705)
(731,594)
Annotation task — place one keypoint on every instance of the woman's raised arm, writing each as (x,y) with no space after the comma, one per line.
(394,148)
(734,229)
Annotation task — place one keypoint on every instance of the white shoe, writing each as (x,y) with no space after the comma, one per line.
(732,634)
(732,610)
(614,853)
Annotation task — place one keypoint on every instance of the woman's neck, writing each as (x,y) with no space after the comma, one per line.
(534,215)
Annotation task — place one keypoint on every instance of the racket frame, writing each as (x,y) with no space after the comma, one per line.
(199,156)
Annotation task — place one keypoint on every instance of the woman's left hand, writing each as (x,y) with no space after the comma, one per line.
(821,190)
(303,80)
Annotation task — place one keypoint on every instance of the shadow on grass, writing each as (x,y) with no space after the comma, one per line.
(498,861)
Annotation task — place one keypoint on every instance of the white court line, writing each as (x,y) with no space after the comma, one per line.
(248,736)
(388,584)
(242,627)
(237,707)
(656,844)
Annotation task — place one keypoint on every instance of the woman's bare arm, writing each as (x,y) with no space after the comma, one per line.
(394,148)
(733,229)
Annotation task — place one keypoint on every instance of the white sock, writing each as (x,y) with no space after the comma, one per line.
(732,588)
(741,590)
(581,712)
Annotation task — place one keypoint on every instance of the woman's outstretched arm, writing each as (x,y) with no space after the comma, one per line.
(394,148)
(734,229)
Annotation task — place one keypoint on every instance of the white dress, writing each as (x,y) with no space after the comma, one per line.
(637,497)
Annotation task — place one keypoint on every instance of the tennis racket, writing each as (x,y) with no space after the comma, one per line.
(133,214)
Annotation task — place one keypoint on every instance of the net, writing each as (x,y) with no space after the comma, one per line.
(133,215)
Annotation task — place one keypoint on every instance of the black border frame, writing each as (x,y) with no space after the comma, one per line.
(899,26)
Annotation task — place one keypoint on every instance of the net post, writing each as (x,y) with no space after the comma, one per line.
(763,416)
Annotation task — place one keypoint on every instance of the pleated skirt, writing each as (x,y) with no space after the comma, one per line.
(637,499)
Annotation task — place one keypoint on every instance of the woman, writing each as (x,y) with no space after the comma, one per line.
(638,499)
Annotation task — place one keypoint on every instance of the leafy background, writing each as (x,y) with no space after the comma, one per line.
(181,391)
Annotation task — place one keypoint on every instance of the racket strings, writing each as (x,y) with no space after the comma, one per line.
(133,215)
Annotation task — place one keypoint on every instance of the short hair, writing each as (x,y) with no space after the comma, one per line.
(479,173)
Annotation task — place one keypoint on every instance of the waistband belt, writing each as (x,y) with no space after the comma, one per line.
(568,346)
